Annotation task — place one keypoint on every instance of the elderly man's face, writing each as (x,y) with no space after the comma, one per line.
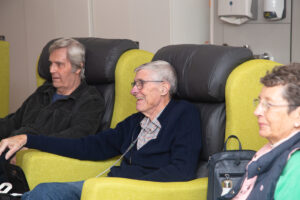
(63,78)
(150,99)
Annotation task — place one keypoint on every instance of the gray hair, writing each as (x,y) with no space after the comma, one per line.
(75,53)
(289,77)
(162,71)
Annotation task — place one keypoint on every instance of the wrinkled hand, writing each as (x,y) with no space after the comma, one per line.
(14,144)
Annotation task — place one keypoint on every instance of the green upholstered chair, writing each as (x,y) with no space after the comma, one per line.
(244,82)
(42,167)
(39,80)
(124,104)
(4,78)
(243,85)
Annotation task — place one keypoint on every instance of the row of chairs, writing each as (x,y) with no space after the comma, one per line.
(221,81)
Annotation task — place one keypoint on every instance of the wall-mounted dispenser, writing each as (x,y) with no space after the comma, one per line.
(274,9)
(237,11)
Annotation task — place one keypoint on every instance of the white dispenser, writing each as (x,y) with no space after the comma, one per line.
(274,9)
(237,11)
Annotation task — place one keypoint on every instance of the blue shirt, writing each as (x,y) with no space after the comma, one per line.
(56,97)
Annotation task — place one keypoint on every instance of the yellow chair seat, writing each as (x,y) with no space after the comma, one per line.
(41,167)
(107,188)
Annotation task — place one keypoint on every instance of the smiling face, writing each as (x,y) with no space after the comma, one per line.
(63,77)
(153,96)
(275,122)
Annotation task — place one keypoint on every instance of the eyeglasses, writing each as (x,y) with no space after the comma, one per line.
(140,83)
(266,105)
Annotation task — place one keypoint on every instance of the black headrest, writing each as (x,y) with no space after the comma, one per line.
(100,59)
(202,70)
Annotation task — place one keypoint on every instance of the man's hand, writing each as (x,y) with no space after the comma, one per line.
(14,144)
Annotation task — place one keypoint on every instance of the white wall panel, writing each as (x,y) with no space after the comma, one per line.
(189,21)
(276,44)
(139,20)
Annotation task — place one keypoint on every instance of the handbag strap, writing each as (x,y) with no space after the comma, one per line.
(229,137)
(238,159)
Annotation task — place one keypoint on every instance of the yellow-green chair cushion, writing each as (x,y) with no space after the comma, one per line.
(107,188)
(39,80)
(41,167)
(242,86)
(124,102)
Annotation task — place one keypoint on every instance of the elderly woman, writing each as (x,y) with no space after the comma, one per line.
(274,171)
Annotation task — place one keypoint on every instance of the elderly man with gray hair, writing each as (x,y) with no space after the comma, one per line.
(67,106)
(161,142)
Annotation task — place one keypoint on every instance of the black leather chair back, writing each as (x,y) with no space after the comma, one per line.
(202,72)
(101,59)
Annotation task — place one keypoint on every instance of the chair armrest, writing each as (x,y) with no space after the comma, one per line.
(108,188)
(40,167)
(4,77)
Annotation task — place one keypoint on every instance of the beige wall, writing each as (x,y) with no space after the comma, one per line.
(29,24)
(141,20)
(189,24)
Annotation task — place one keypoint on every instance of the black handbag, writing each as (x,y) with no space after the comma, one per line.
(226,168)
(13,182)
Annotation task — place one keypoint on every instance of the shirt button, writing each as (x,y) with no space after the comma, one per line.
(258,168)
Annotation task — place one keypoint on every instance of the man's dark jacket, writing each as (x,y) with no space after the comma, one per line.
(77,115)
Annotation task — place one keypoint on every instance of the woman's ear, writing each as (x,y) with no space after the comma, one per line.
(297,113)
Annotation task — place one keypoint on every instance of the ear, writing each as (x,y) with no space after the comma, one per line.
(165,88)
(297,117)
(298,111)
(79,70)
